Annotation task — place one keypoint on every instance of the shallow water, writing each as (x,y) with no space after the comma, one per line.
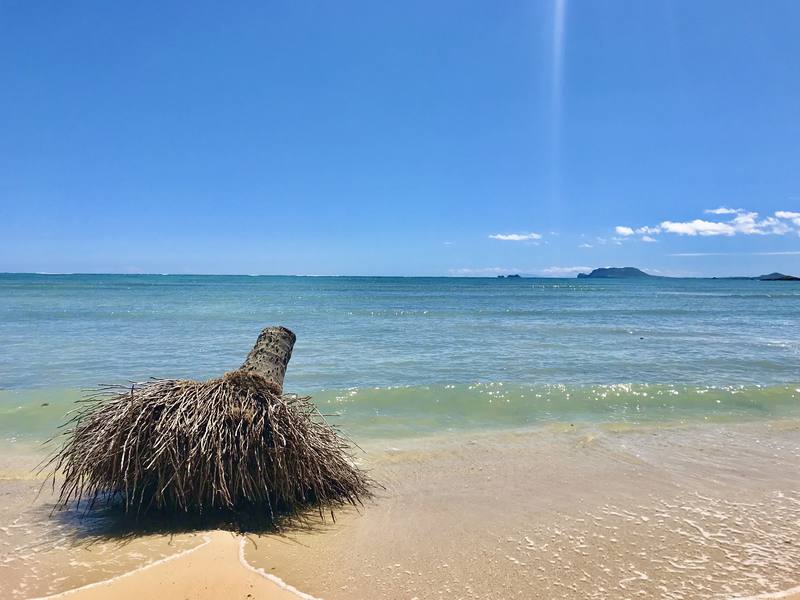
(30,417)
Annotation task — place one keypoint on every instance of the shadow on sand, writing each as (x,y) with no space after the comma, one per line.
(110,523)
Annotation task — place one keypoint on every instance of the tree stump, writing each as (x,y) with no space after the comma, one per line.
(270,355)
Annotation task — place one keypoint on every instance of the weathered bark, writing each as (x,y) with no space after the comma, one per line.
(270,356)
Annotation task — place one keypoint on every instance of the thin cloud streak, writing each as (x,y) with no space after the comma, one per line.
(776,253)
(516,237)
(722,210)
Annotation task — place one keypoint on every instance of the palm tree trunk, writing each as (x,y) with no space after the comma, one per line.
(270,356)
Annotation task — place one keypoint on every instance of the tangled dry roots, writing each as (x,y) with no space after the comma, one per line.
(225,444)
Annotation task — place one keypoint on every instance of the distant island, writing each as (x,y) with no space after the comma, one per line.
(515,276)
(634,273)
(615,273)
(777,277)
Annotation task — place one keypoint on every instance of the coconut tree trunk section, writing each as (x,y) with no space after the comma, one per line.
(270,356)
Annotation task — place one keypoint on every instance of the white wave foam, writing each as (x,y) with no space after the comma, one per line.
(273,578)
(171,557)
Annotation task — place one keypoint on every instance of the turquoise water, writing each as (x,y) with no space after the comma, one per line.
(436,349)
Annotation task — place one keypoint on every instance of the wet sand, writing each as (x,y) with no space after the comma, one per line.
(695,512)
(701,511)
(213,569)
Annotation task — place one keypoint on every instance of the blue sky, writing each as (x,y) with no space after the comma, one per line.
(400,138)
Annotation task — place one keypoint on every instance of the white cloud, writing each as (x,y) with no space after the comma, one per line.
(516,237)
(698,227)
(739,221)
(627,232)
(790,215)
(565,270)
(585,246)
(748,223)
(722,210)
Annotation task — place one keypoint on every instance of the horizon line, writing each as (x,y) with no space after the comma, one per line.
(509,276)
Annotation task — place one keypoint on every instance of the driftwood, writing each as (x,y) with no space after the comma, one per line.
(231,443)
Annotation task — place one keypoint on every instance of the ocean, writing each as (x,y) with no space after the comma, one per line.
(529,438)
(408,355)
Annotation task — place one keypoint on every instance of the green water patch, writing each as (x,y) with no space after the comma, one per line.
(32,416)
(409,411)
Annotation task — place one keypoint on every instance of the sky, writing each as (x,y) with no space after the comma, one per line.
(400,138)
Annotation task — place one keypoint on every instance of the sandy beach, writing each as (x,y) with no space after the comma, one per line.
(216,569)
(571,512)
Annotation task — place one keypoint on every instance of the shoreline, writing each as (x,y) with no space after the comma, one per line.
(184,581)
(215,568)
